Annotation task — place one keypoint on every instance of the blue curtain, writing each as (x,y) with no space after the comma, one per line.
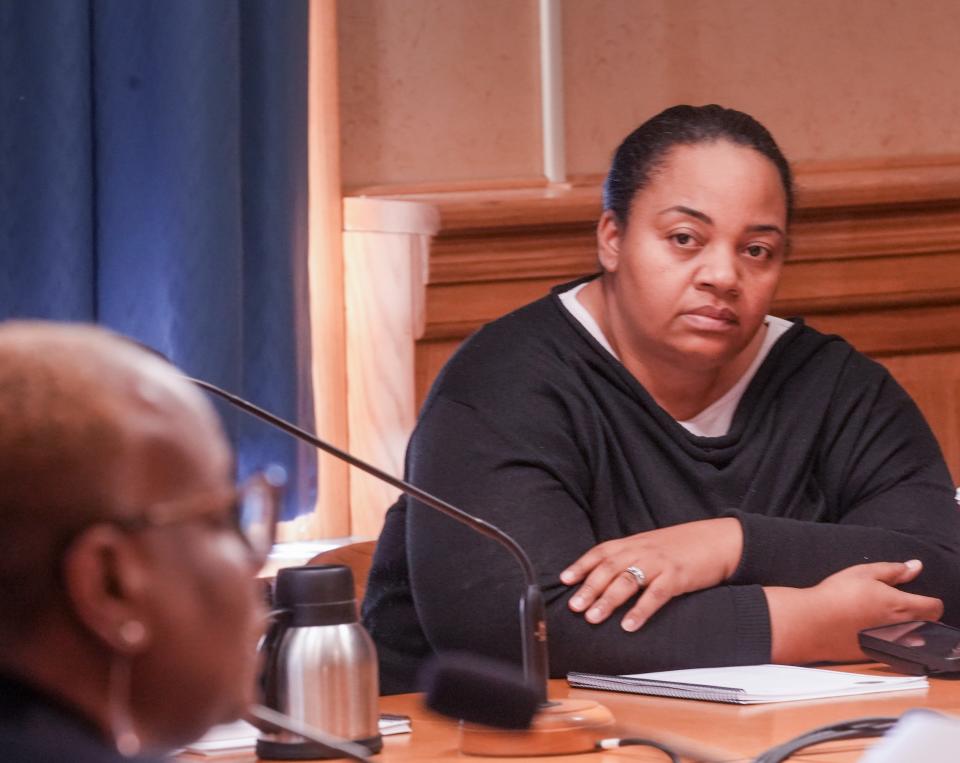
(153,179)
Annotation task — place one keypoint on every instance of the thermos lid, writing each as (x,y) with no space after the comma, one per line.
(317,594)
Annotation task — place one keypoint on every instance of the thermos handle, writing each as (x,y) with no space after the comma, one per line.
(269,654)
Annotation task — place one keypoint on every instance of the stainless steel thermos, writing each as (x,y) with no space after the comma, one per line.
(320,664)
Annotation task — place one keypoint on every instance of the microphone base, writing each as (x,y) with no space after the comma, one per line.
(562,727)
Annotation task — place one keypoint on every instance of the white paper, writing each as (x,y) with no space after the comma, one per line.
(240,735)
(751,684)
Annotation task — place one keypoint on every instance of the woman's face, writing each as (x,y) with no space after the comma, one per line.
(691,277)
(201,603)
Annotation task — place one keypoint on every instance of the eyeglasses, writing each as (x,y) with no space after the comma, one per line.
(253,512)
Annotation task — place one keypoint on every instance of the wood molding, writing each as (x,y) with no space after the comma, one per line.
(866,237)
(822,188)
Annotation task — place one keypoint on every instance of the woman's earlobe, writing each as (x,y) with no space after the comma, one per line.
(608,241)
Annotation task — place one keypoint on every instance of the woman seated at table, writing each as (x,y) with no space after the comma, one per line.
(767,490)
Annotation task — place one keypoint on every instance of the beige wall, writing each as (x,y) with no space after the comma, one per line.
(448,90)
(438,90)
(832,79)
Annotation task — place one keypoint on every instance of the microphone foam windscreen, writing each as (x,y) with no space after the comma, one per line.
(478,690)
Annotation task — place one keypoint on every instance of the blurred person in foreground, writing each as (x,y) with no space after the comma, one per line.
(128,612)
(698,482)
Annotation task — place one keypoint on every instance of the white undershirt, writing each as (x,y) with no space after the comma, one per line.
(715,419)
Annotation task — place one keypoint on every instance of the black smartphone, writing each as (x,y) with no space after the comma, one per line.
(919,647)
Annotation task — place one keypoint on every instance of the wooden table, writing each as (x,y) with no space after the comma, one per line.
(743,731)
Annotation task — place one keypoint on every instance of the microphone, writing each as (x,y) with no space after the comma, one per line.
(479,690)
(560,727)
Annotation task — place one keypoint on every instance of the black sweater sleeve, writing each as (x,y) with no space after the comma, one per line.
(466,588)
(887,493)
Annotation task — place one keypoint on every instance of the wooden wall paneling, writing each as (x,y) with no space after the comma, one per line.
(933,381)
(431,355)
(385,268)
(892,332)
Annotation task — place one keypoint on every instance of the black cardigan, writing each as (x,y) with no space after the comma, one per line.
(536,428)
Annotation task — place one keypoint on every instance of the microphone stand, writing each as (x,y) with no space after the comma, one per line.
(566,726)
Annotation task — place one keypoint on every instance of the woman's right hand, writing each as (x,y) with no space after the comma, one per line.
(821,623)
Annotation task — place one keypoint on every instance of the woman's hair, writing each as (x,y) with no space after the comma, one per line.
(644,150)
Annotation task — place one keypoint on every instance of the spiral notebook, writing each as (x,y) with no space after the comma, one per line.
(749,684)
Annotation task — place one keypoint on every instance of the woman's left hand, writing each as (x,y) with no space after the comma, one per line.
(674,560)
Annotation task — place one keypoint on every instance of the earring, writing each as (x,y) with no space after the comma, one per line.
(132,633)
(121,724)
